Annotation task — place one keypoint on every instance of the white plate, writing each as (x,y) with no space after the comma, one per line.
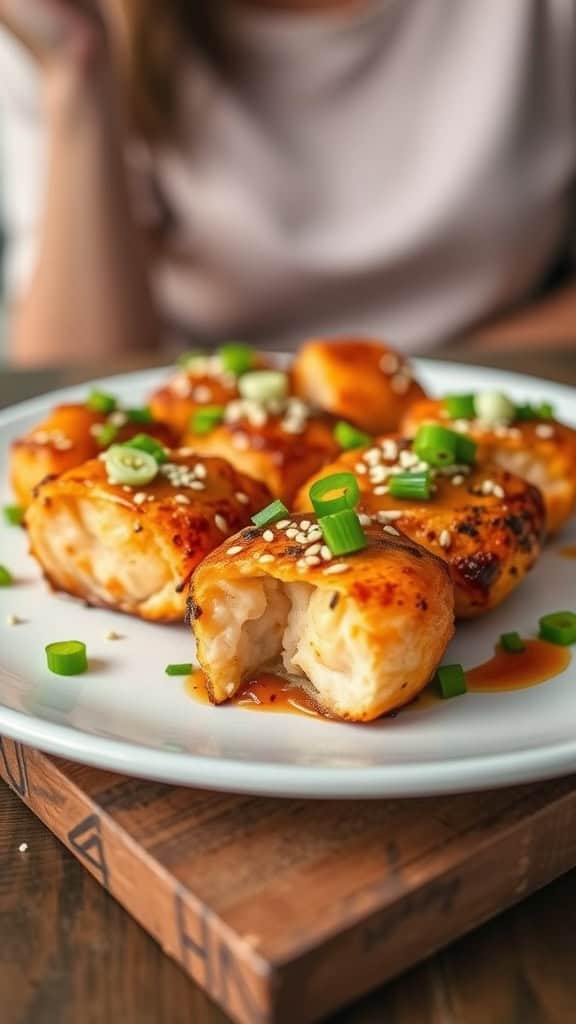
(126,715)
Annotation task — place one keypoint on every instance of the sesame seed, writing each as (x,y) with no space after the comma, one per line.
(314,549)
(372,456)
(182,499)
(314,534)
(266,557)
(381,489)
(23,847)
(487,487)
(150,497)
(400,383)
(338,567)
(268,536)
(112,635)
(301,563)
(301,537)
(544,430)
(457,480)
(390,515)
(241,497)
(408,459)
(364,519)
(312,560)
(235,549)
(241,441)
(378,474)
(127,488)
(186,452)
(139,498)
(221,523)
(118,418)
(181,386)
(202,393)
(389,449)
(197,485)
(291,533)
(461,426)
(445,539)
(200,471)
(325,553)
(305,524)
(392,530)
(13,620)
(283,524)
(498,491)
(360,468)
(389,363)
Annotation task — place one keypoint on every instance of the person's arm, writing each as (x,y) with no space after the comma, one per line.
(549,321)
(89,295)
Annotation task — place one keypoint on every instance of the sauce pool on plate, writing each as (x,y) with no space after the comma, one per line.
(264,692)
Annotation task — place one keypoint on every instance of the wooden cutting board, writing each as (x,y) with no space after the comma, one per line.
(283,910)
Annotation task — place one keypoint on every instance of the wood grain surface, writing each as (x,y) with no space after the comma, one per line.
(285,910)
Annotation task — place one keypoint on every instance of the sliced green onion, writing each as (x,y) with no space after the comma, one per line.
(451,680)
(101,401)
(527,411)
(494,407)
(6,578)
(67,657)
(263,386)
(130,466)
(236,358)
(512,643)
(205,419)
(466,450)
(436,445)
(145,443)
(558,628)
(184,668)
(13,514)
(343,532)
(348,437)
(345,483)
(191,359)
(410,486)
(271,514)
(459,407)
(141,414)
(105,434)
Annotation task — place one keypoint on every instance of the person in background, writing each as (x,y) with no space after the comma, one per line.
(186,171)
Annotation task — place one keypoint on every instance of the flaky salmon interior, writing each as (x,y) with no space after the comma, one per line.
(89,548)
(316,634)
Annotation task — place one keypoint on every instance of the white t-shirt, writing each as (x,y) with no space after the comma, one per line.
(406,168)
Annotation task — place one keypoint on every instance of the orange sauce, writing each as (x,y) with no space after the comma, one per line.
(540,662)
(265,692)
(569,552)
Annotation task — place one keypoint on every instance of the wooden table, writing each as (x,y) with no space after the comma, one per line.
(69,953)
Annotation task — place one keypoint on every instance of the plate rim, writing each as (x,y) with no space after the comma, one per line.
(478,772)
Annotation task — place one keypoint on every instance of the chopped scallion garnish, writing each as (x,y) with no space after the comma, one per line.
(236,358)
(205,419)
(451,680)
(145,443)
(465,450)
(558,628)
(13,514)
(131,466)
(270,514)
(346,486)
(410,486)
(67,657)
(105,434)
(436,445)
(527,411)
(142,414)
(459,407)
(343,532)
(101,401)
(494,407)
(6,578)
(512,643)
(264,386)
(184,668)
(349,437)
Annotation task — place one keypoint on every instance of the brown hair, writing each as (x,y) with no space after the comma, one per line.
(158,34)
